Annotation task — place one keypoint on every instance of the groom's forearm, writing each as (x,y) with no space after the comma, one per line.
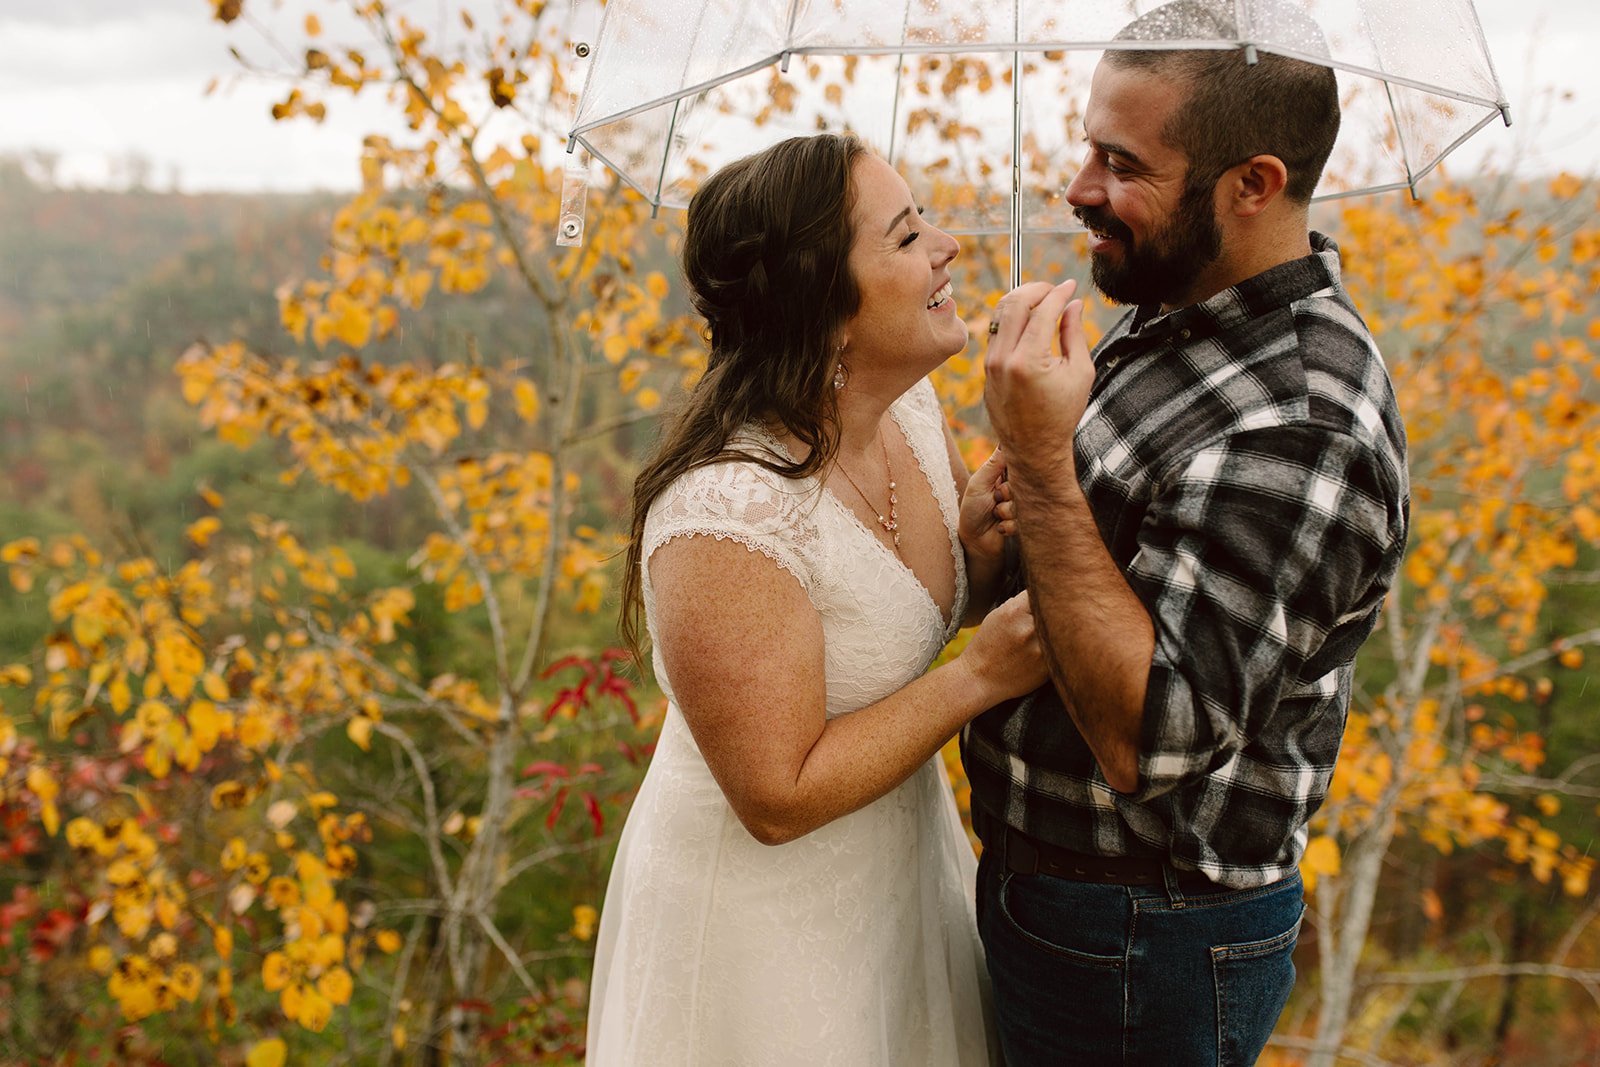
(1097,635)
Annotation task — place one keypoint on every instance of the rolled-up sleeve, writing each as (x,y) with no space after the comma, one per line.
(1262,556)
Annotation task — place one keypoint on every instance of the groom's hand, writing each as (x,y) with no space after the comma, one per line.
(1035,396)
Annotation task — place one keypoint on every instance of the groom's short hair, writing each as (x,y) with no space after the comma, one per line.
(1278,106)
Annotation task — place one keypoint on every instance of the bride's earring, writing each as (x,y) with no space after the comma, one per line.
(840,374)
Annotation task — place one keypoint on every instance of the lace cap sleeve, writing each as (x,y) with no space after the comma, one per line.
(742,501)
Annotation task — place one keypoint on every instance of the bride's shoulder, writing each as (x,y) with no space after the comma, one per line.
(740,490)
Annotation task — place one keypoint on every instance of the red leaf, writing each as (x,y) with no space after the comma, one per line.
(555,810)
(595,816)
(568,661)
(50,935)
(544,767)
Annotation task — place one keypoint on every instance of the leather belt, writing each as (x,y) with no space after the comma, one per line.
(1024,854)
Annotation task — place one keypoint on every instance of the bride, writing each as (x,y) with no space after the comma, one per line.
(793,884)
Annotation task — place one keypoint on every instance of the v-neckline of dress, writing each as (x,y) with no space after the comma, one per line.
(945,621)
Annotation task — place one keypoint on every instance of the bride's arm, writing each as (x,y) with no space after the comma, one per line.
(743,647)
(983,535)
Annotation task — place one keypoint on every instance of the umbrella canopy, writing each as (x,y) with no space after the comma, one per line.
(978,103)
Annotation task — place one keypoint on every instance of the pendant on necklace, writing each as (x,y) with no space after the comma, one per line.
(891,525)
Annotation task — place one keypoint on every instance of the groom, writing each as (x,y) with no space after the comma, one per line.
(1210,509)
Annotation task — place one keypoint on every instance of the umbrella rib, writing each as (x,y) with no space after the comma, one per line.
(1483,46)
(899,80)
(621,174)
(1016,149)
(588,74)
(666,154)
(766,61)
(1457,143)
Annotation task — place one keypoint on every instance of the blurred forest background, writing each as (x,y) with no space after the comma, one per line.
(314,741)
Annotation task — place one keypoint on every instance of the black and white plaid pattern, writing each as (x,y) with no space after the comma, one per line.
(1245,463)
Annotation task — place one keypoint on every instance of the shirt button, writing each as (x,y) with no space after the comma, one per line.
(1184,334)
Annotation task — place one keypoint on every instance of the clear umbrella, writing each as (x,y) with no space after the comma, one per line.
(978,103)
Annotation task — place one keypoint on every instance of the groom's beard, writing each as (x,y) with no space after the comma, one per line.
(1162,268)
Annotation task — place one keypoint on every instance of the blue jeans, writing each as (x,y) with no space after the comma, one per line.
(1104,975)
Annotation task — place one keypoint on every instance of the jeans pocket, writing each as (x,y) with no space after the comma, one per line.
(1044,913)
(1253,982)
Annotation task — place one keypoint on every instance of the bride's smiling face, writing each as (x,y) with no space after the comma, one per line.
(900,263)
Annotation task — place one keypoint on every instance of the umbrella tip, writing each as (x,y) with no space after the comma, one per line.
(1250,57)
(572,143)
(1505,112)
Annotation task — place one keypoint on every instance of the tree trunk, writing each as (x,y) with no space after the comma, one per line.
(1344,924)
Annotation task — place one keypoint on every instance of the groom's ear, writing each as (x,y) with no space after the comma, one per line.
(1249,188)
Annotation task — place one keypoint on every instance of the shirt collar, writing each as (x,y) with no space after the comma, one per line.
(1273,288)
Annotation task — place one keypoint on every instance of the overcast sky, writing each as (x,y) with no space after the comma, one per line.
(99,81)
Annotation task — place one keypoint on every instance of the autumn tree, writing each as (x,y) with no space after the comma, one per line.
(175,737)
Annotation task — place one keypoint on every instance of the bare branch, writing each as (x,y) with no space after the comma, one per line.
(480,570)
(398,990)
(508,952)
(1345,1052)
(545,854)
(425,700)
(1589,980)
(1575,931)
(430,803)
(600,429)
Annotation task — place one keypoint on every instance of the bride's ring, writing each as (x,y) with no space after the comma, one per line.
(994,327)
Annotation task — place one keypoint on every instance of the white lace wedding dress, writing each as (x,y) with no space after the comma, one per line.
(854,945)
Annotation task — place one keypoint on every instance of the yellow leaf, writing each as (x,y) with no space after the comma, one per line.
(336,985)
(615,347)
(313,26)
(16,674)
(359,730)
(648,398)
(584,918)
(120,695)
(398,1035)
(1548,805)
(269,1053)
(527,399)
(200,530)
(656,283)
(1321,858)
(42,784)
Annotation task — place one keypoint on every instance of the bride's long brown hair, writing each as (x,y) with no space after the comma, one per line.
(765,256)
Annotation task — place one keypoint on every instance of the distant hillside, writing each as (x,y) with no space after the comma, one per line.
(99,294)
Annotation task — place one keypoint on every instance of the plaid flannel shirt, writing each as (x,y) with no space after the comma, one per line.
(1245,464)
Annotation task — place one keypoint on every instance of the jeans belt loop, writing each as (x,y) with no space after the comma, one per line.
(1021,857)
(1169,878)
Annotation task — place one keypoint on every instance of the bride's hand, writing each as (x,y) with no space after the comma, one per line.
(983,526)
(1005,654)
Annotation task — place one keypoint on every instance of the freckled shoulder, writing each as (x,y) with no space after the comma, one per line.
(745,502)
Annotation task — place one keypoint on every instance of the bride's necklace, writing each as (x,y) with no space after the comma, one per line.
(891,523)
